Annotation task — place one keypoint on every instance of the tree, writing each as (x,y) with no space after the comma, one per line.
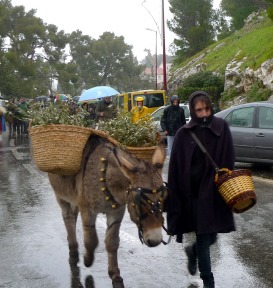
(108,60)
(239,10)
(27,46)
(269,9)
(221,24)
(192,23)
(34,54)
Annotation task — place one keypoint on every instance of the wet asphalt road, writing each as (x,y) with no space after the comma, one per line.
(34,253)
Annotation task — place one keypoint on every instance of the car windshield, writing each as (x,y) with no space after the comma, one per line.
(151,99)
(186,110)
(158,113)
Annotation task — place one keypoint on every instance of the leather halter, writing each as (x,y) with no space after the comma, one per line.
(153,207)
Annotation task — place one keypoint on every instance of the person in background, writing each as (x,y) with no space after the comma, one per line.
(172,119)
(23,108)
(92,109)
(106,109)
(2,118)
(194,204)
(139,111)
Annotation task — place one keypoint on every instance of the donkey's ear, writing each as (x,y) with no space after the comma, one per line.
(159,154)
(126,166)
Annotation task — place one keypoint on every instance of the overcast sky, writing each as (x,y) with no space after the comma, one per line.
(128,18)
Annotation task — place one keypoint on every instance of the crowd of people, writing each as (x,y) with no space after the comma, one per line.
(14,112)
(14,115)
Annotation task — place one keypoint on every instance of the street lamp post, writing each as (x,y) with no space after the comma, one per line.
(164,49)
(155,55)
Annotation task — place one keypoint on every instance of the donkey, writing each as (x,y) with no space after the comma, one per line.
(110,178)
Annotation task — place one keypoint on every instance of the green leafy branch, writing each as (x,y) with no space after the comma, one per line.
(58,114)
(143,133)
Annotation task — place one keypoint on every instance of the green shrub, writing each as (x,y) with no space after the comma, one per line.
(257,93)
(206,81)
(229,94)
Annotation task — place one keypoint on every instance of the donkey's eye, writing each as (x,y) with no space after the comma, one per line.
(158,165)
(134,169)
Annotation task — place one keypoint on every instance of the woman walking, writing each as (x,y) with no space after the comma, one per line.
(195,204)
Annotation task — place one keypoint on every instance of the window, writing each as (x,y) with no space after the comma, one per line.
(144,98)
(151,100)
(241,117)
(156,100)
(121,102)
(266,117)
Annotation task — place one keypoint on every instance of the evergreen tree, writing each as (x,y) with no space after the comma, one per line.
(192,23)
(239,10)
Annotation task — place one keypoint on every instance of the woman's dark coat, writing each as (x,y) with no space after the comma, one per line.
(213,213)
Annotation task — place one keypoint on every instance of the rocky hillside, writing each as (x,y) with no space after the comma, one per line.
(243,58)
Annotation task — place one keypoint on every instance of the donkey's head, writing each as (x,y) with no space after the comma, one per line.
(146,194)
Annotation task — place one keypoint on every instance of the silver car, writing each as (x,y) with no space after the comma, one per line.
(251,127)
(156,115)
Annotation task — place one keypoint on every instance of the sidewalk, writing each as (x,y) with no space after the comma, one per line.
(4,139)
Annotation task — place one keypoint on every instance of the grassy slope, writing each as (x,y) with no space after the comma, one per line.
(252,45)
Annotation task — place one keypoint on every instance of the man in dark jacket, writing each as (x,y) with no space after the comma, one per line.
(106,109)
(195,205)
(172,119)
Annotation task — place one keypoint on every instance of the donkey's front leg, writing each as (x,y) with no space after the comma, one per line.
(70,214)
(112,244)
(89,234)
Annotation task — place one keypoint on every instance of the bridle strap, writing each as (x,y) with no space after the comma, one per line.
(155,207)
(170,237)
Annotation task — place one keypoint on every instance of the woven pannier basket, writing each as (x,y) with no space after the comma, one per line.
(236,188)
(143,153)
(58,148)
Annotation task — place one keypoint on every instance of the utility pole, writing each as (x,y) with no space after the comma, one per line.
(164,49)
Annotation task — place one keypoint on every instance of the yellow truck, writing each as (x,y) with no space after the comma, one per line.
(153,99)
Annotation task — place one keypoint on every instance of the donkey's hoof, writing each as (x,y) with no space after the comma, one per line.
(118,282)
(88,260)
(89,282)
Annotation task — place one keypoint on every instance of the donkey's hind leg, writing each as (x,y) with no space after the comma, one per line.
(112,244)
(90,235)
(70,215)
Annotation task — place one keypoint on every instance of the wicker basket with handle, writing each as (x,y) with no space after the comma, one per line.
(237,188)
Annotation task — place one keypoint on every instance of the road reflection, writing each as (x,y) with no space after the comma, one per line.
(76,278)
